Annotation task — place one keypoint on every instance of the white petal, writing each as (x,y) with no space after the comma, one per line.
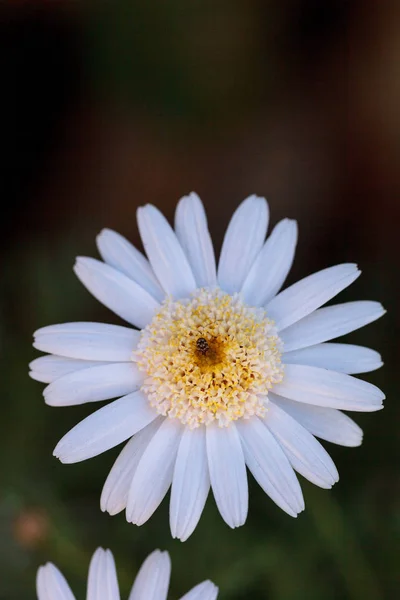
(308,294)
(153,475)
(243,240)
(52,585)
(228,473)
(330,322)
(49,368)
(165,252)
(102,579)
(272,265)
(204,591)
(105,428)
(328,388)
(345,358)
(326,423)
(88,341)
(94,384)
(305,454)
(117,252)
(115,290)
(192,232)
(114,496)
(190,484)
(270,466)
(152,581)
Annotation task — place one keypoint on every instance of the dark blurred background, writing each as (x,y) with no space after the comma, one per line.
(109,105)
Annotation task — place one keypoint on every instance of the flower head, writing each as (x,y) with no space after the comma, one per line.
(151,583)
(220,370)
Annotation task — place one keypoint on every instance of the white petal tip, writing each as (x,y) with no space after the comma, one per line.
(112,511)
(82,263)
(256,199)
(191,197)
(293,513)
(34,375)
(356,442)
(237,523)
(288,223)
(50,401)
(65,460)
(62,455)
(206,589)
(136,520)
(104,232)
(258,203)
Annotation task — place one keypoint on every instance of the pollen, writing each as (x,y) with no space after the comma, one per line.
(209,358)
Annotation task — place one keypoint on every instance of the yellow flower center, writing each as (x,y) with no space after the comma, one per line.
(209,358)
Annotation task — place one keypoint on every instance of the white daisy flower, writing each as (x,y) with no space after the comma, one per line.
(220,370)
(151,583)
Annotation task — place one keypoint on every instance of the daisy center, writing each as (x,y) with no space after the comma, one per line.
(209,358)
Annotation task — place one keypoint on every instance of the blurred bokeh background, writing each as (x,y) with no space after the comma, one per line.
(109,105)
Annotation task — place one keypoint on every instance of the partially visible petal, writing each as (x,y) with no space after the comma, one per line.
(204,591)
(192,232)
(270,466)
(165,253)
(308,294)
(190,484)
(272,265)
(102,579)
(152,581)
(326,423)
(94,384)
(88,341)
(105,428)
(330,322)
(154,472)
(114,496)
(243,240)
(117,252)
(304,452)
(321,387)
(345,358)
(228,473)
(52,585)
(115,290)
(49,368)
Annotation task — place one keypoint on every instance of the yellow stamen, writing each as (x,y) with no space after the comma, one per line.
(209,357)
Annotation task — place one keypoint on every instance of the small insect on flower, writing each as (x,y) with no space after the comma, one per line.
(152,581)
(217,371)
(202,345)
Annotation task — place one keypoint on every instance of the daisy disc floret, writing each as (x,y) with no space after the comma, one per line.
(219,371)
(209,358)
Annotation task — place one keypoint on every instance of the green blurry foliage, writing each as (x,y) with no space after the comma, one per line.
(184,61)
